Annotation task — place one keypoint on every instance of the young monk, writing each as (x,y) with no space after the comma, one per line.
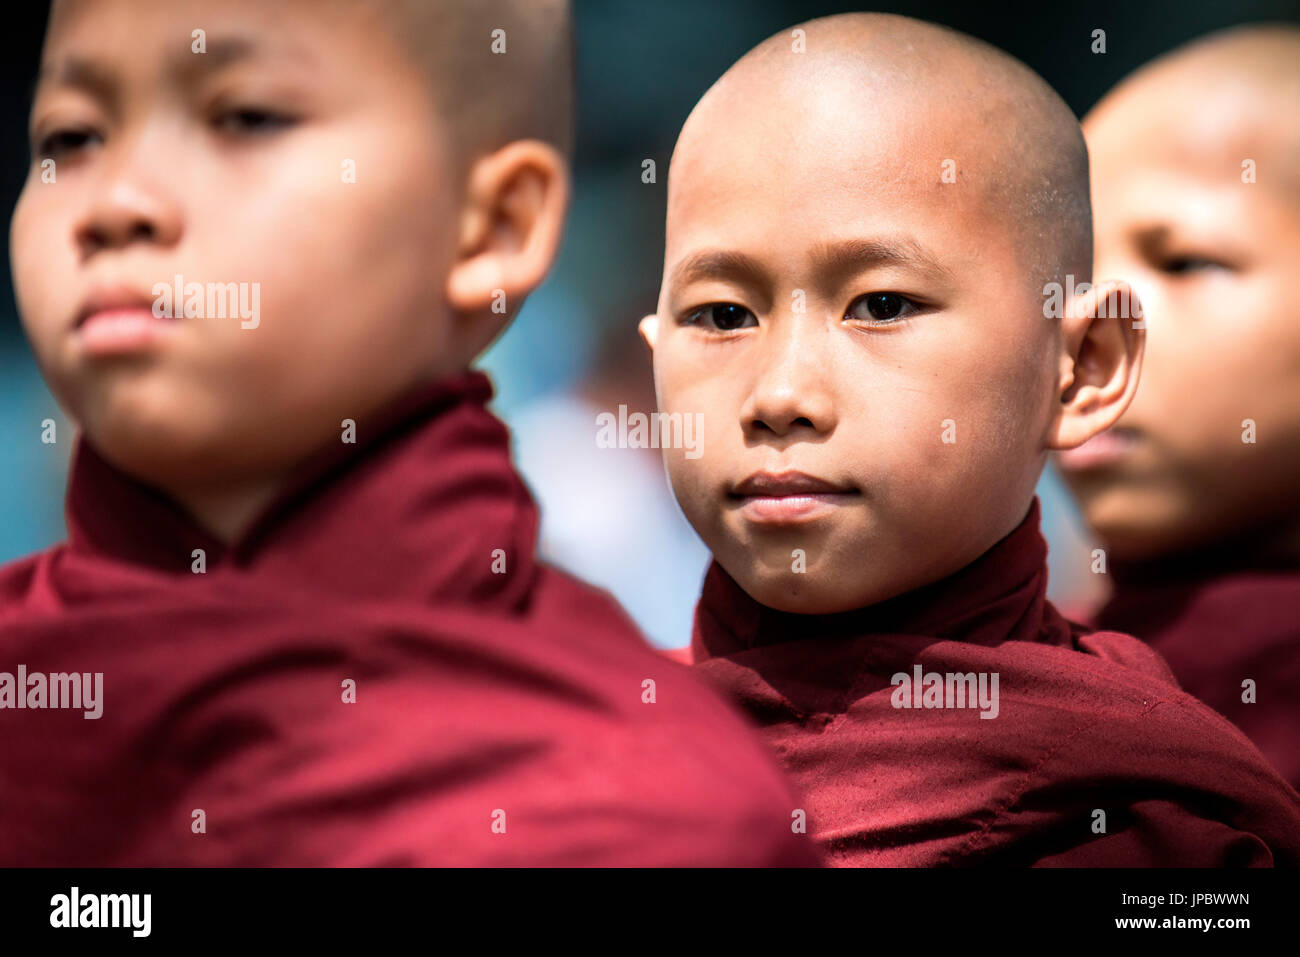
(863,216)
(299,583)
(1194,491)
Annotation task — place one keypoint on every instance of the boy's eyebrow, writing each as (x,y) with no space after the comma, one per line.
(832,262)
(836,261)
(221,51)
(77,72)
(225,50)
(98,79)
(718,264)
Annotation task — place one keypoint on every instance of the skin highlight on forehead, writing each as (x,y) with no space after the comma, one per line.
(1210,104)
(1013,141)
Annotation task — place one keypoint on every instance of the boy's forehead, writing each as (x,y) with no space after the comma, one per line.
(1164,146)
(1203,110)
(405,51)
(1158,132)
(881,125)
(810,153)
(221,30)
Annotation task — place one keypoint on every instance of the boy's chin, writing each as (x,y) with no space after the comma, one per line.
(169,469)
(802,593)
(1133,526)
(171,453)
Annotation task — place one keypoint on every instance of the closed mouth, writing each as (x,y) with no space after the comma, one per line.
(115,302)
(791,483)
(789,498)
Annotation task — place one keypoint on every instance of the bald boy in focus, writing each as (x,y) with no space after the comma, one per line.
(865,217)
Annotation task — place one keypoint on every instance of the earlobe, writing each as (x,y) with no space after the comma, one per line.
(1103,337)
(649,329)
(510,228)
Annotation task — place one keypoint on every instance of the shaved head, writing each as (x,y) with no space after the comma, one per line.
(1010,138)
(1235,92)
(490,98)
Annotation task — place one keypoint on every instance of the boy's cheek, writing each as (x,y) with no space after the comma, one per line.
(24,254)
(37,284)
(696,482)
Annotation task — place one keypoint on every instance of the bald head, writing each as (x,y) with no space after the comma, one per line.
(494,88)
(1211,103)
(962,115)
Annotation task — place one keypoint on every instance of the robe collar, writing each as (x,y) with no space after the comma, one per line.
(416,507)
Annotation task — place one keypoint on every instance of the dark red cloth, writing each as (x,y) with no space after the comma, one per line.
(1086,721)
(1217,626)
(476,692)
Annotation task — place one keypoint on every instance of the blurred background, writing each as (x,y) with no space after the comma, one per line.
(573,352)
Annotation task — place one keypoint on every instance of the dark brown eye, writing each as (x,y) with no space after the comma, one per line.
(1180,265)
(878,307)
(61,142)
(251,121)
(724,316)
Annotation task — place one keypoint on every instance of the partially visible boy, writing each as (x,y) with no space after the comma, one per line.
(298,620)
(864,216)
(1195,492)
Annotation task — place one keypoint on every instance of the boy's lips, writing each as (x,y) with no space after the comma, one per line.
(1104,448)
(787,498)
(114,322)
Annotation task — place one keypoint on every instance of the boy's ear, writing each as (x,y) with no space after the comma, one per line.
(1103,337)
(510,228)
(649,329)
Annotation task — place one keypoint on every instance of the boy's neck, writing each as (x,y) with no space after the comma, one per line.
(226,510)
(227,513)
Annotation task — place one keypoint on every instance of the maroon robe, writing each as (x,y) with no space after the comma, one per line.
(500,714)
(1218,625)
(1086,722)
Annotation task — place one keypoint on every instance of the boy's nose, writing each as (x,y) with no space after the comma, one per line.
(792,388)
(127,210)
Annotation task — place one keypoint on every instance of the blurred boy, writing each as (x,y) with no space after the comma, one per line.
(1193,492)
(864,217)
(258,249)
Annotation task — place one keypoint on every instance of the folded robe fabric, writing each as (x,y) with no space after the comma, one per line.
(1219,626)
(504,713)
(1095,756)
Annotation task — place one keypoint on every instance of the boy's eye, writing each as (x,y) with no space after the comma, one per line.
(62,142)
(724,316)
(251,120)
(1180,265)
(880,307)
